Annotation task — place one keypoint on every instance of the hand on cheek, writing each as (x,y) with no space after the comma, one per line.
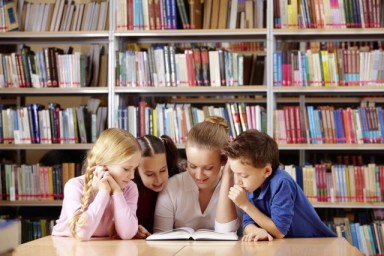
(113,184)
(101,179)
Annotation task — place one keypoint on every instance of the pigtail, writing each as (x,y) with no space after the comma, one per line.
(171,154)
(79,219)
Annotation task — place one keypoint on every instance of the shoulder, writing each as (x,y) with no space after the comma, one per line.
(180,181)
(131,188)
(281,178)
(76,182)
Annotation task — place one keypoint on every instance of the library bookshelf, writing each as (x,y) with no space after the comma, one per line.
(264,41)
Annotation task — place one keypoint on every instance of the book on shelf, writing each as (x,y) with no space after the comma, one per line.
(186,233)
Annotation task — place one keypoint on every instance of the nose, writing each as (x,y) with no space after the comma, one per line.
(131,175)
(158,179)
(199,174)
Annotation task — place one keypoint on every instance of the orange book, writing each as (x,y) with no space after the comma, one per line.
(215,14)
(151,14)
(223,14)
(196,14)
(207,14)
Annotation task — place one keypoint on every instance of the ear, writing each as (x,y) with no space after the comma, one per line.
(267,170)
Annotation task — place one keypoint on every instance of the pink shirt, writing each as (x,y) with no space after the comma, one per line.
(101,212)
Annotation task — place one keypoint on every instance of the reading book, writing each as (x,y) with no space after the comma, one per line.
(186,233)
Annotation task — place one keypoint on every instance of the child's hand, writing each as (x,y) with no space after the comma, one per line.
(142,232)
(114,185)
(238,196)
(101,179)
(258,235)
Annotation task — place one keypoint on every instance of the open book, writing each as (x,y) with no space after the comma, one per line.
(186,233)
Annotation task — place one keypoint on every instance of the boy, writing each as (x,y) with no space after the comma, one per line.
(274,205)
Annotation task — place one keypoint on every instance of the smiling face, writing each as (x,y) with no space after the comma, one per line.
(123,172)
(247,176)
(204,166)
(153,171)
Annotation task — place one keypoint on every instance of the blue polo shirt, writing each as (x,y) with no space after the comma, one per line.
(282,199)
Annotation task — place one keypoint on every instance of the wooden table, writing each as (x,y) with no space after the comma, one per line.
(65,246)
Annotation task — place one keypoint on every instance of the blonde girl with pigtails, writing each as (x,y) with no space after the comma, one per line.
(103,201)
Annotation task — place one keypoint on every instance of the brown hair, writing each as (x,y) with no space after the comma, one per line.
(211,134)
(112,147)
(254,148)
(151,145)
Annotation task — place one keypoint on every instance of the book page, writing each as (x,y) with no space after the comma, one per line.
(174,234)
(206,234)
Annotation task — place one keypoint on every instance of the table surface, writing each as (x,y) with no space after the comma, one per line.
(61,246)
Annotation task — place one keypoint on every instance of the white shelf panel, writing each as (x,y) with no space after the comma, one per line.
(197,89)
(55,90)
(328,90)
(45,146)
(355,205)
(331,146)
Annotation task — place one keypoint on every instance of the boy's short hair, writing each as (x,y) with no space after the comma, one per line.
(254,148)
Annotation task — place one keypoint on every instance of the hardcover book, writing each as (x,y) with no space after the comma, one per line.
(186,233)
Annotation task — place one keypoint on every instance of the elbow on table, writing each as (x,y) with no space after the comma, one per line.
(82,238)
(279,235)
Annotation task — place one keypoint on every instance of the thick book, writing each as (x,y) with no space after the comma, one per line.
(186,233)
(9,235)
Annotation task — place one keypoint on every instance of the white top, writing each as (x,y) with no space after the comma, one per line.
(178,206)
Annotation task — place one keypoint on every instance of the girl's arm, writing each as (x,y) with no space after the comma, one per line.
(125,206)
(226,210)
(72,203)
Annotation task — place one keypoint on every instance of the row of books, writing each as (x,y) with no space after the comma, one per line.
(58,15)
(52,67)
(343,183)
(175,120)
(183,14)
(330,64)
(35,182)
(164,65)
(34,124)
(32,229)
(368,238)
(328,14)
(328,124)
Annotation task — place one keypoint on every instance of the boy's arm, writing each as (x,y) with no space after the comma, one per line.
(262,220)
(254,233)
(238,196)
(226,209)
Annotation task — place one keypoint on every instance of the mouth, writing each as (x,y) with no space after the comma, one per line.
(201,181)
(158,186)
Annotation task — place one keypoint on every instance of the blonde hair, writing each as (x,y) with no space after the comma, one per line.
(210,134)
(112,147)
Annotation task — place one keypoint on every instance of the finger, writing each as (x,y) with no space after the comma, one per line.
(256,238)
(270,238)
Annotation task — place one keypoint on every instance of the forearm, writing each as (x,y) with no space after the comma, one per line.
(126,223)
(226,209)
(92,217)
(262,221)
